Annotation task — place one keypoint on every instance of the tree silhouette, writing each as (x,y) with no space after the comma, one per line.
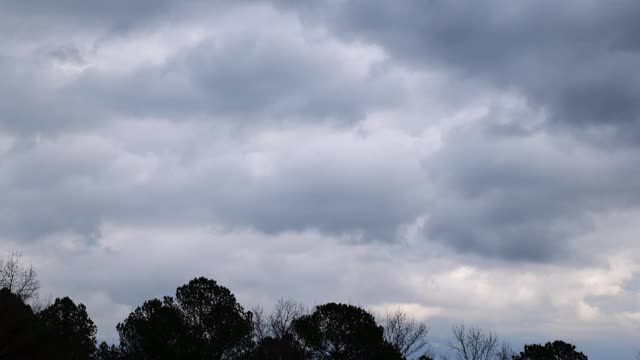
(280,348)
(19,278)
(156,330)
(21,336)
(222,328)
(557,350)
(505,352)
(108,352)
(73,332)
(343,332)
(205,322)
(425,357)
(274,334)
(408,336)
(473,343)
(259,325)
(280,321)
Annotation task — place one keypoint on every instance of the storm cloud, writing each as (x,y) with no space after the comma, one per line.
(478,160)
(576,60)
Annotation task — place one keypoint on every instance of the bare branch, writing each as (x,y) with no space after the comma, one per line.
(19,279)
(505,352)
(280,321)
(259,323)
(408,336)
(473,343)
(38,303)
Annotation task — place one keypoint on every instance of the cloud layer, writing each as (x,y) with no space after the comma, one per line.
(466,161)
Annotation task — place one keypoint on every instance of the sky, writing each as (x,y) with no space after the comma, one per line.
(467,161)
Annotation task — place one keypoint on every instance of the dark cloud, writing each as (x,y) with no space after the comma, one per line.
(577,60)
(176,139)
(349,202)
(276,79)
(89,13)
(563,59)
(524,197)
(65,54)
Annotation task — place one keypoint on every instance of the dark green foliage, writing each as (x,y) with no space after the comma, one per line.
(343,332)
(557,350)
(72,332)
(21,336)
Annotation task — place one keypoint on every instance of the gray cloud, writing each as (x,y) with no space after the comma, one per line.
(113,14)
(76,183)
(441,155)
(515,210)
(576,60)
(524,197)
(67,172)
(234,73)
(574,63)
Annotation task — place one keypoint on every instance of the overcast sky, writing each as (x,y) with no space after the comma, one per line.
(468,161)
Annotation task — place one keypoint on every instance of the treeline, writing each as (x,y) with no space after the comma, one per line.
(203,320)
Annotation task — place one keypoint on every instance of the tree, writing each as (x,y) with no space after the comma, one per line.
(259,324)
(282,348)
(18,278)
(72,329)
(21,336)
(38,303)
(505,352)
(108,352)
(204,321)
(274,334)
(557,350)
(406,335)
(343,332)
(221,326)
(473,343)
(280,321)
(426,357)
(155,330)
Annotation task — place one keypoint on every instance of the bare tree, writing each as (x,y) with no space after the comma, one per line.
(280,320)
(39,303)
(260,329)
(407,335)
(473,343)
(505,352)
(19,278)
